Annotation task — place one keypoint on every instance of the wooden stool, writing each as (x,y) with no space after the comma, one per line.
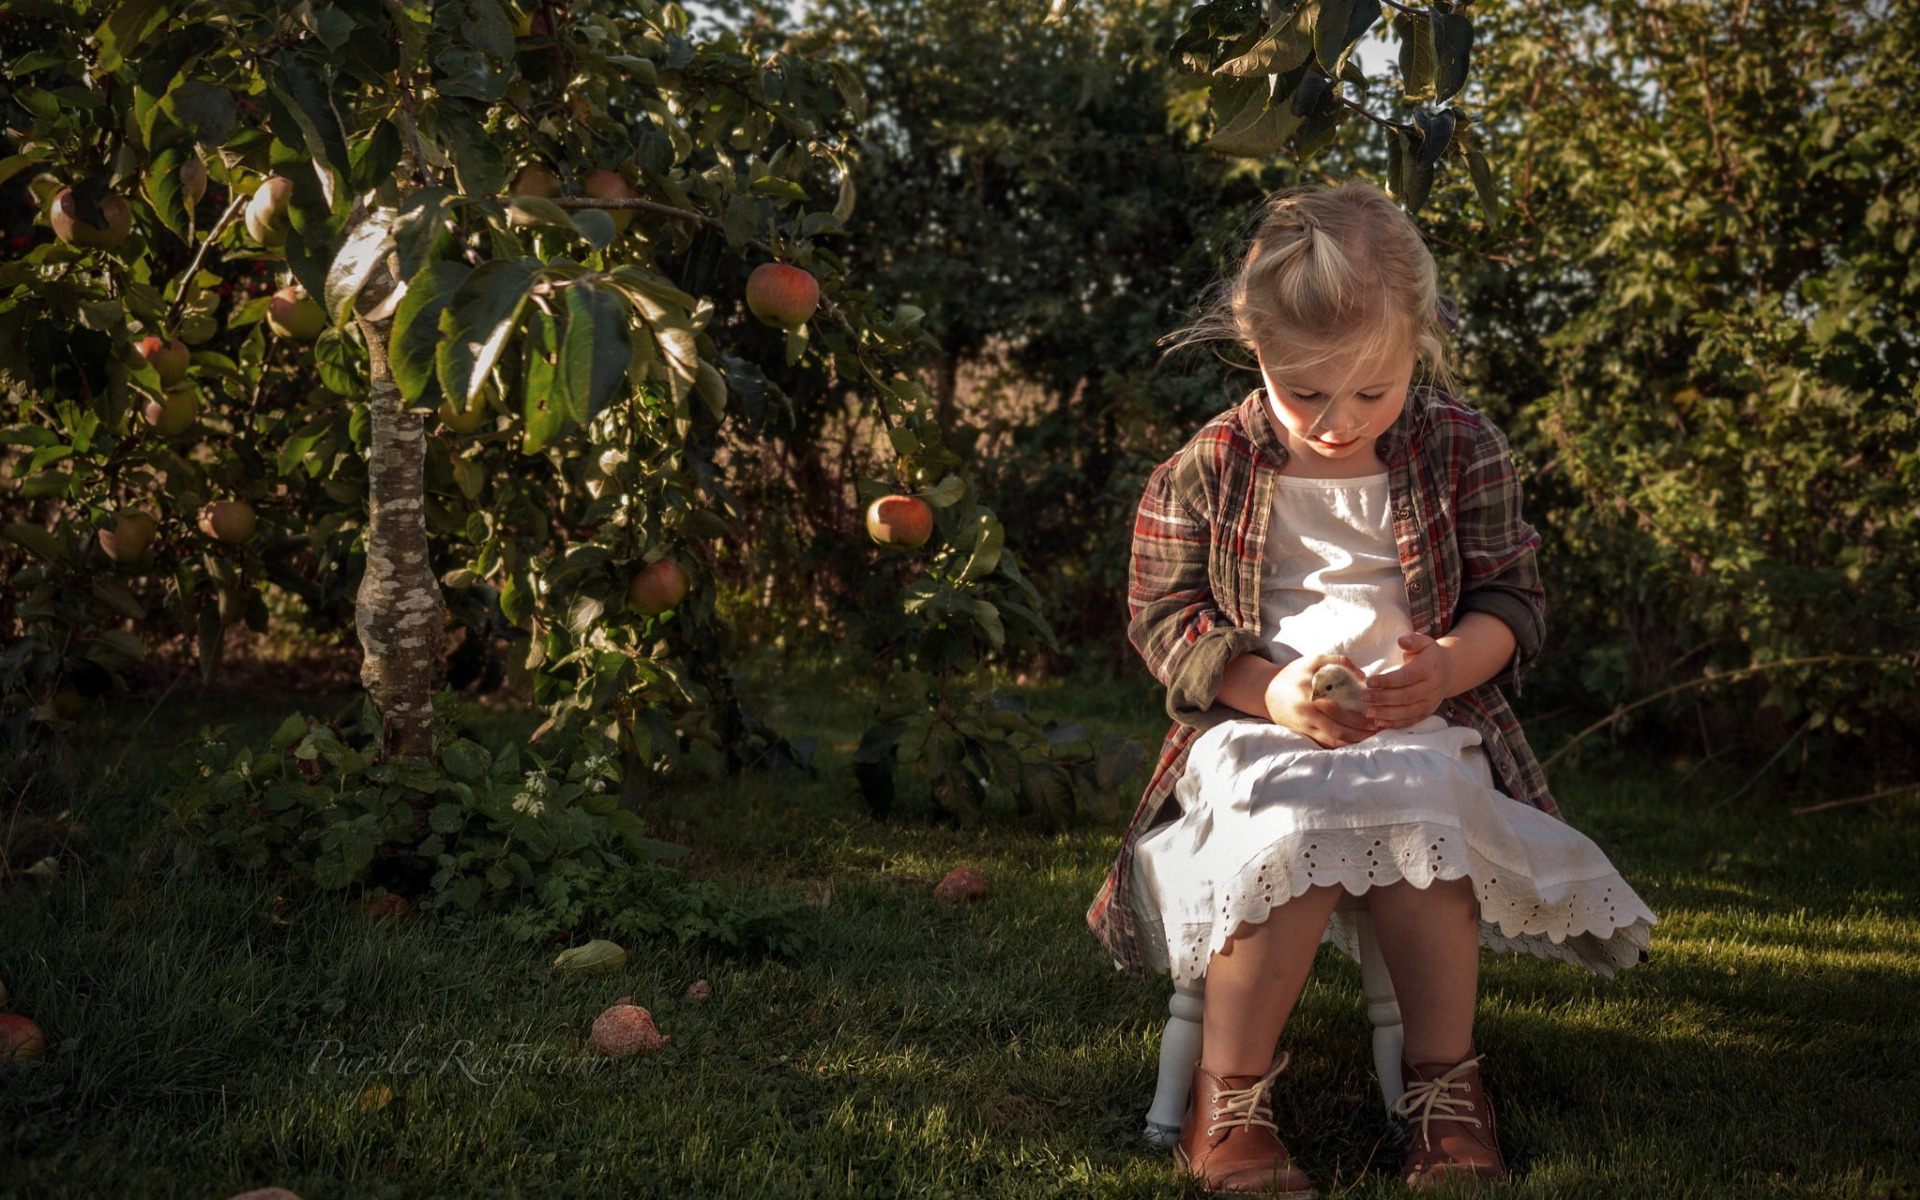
(1180,1044)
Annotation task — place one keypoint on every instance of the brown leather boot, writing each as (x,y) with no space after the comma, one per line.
(1449,1124)
(1229,1138)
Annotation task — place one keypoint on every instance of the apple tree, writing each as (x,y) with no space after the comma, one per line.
(461,288)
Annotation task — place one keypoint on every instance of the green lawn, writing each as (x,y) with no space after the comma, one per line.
(1768,1049)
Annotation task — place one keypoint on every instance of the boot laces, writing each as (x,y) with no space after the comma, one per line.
(1243,1107)
(1427,1095)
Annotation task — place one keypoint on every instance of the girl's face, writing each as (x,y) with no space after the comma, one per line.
(1335,411)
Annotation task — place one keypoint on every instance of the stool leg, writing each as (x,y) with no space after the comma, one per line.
(1383,1010)
(1179,1051)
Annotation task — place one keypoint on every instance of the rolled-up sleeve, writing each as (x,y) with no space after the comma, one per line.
(1175,622)
(1500,573)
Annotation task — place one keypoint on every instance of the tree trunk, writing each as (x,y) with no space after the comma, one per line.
(398,610)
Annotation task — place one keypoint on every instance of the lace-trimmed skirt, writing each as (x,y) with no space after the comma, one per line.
(1267,813)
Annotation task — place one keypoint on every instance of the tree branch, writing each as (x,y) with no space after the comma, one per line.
(193,268)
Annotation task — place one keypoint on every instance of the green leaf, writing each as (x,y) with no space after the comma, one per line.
(477,322)
(1258,131)
(538,210)
(1436,134)
(421,225)
(546,409)
(1415,32)
(1341,25)
(1452,47)
(1285,46)
(1050,789)
(989,537)
(446,818)
(594,351)
(853,91)
(291,730)
(121,33)
(114,594)
(1119,757)
(42,544)
(356,262)
(416,328)
(773,185)
(947,493)
(989,620)
(466,760)
(1483,185)
(303,91)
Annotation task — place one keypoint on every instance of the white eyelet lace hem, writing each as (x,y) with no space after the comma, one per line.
(1598,924)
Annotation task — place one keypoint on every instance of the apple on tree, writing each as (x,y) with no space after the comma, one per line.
(168,358)
(230,521)
(267,220)
(175,411)
(609,185)
(294,314)
(900,522)
(535,180)
(658,587)
(130,536)
(69,228)
(782,296)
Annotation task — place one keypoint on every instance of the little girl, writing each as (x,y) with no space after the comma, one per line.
(1342,516)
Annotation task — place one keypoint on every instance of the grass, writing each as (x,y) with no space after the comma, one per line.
(1768,1049)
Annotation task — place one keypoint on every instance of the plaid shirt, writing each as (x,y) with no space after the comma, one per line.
(1194,590)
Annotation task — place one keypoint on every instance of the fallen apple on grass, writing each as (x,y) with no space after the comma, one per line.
(962,885)
(625,1029)
(782,296)
(20,1037)
(900,522)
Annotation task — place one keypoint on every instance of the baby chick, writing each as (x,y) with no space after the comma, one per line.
(1334,682)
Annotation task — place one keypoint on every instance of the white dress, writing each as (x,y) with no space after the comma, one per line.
(1266,813)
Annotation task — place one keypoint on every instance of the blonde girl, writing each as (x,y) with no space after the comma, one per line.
(1343,516)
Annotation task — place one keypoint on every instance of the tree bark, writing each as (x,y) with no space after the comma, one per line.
(398,610)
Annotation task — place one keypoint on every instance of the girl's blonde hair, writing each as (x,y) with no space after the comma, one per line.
(1330,273)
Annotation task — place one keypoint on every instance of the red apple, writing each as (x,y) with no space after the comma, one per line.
(175,412)
(20,1037)
(69,228)
(293,314)
(130,536)
(231,521)
(782,296)
(169,358)
(267,221)
(658,587)
(900,522)
(608,185)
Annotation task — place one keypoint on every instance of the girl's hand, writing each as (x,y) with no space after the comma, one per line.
(1290,704)
(1414,690)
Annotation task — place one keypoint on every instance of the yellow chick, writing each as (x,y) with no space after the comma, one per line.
(1334,682)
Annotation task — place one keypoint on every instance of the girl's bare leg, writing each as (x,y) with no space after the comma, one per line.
(1430,939)
(1253,981)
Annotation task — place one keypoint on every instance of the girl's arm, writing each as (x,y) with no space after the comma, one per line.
(1176,623)
(1501,617)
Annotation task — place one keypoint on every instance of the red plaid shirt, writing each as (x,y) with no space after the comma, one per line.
(1194,590)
